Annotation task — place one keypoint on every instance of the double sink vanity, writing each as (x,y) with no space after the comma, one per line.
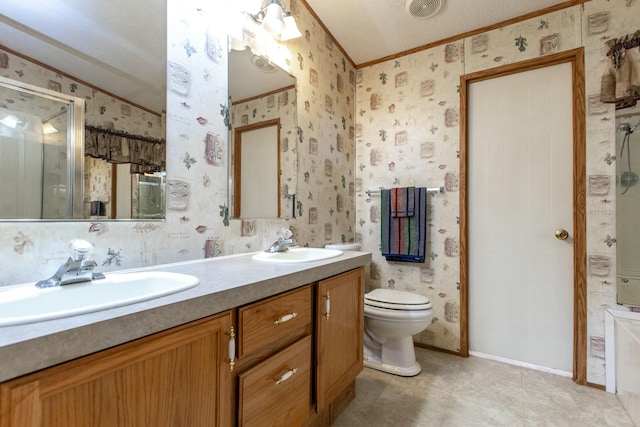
(274,342)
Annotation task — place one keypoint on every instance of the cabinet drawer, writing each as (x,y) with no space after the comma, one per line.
(274,322)
(277,392)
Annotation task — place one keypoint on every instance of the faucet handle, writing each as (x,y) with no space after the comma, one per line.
(286,233)
(80,249)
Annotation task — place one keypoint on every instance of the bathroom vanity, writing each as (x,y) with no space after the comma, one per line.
(284,350)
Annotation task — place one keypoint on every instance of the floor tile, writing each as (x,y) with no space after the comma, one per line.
(452,391)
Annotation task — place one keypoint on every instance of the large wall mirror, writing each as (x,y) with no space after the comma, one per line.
(263,129)
(112,56)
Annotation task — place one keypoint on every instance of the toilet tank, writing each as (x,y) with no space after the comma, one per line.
(343,246)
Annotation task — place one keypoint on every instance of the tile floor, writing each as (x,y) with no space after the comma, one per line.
(454,391)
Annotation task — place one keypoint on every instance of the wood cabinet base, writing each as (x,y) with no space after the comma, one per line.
(174,378)
(299,355)
(327,417)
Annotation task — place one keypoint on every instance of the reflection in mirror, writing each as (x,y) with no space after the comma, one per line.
(257,160)
(148,196)
(261,95)
(114,58)
(41,135)
(627,206)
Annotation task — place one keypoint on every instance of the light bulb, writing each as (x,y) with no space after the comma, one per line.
(273,21)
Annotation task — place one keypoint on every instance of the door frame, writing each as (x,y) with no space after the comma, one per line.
(576,58)
(237,163)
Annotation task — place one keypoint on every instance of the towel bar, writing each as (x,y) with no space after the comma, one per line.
(372,193)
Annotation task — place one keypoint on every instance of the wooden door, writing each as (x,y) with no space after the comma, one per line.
(339,332)
(576,242)
(520,193)
(174,378)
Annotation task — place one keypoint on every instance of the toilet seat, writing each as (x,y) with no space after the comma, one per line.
(396,300)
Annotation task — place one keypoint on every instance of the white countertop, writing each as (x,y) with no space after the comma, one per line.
(225,282)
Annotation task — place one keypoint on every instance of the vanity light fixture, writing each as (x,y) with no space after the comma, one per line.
(277,20)
(273,18)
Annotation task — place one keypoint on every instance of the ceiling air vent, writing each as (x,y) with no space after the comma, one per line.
(263,64)
(423,8)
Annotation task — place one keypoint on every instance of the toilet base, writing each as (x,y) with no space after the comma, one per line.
(373,361)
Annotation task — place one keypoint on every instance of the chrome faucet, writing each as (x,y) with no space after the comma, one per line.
(78,268)
(283,242)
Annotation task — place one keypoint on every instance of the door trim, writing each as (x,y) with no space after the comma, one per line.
(576,58)
(237,163)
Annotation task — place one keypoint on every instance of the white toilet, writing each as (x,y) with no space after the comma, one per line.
(391,318)
(343,246)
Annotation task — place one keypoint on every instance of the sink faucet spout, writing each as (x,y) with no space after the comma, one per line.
(281,245)
(76,269)
(283,242)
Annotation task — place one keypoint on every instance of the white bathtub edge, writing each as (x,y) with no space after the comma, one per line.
(609,352)
(609,344)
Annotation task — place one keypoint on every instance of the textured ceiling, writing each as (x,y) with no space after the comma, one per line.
(372,29)
(367,30)
(247,81)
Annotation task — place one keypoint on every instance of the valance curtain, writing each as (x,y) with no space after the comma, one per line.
(145,154)
(621,79)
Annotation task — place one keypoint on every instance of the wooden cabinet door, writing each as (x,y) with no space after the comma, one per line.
(180,377)
(339,332)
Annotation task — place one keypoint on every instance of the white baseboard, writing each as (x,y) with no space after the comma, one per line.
(521,364)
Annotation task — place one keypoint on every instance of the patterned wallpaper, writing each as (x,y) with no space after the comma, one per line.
(407,133)
(601,21)
(326,136)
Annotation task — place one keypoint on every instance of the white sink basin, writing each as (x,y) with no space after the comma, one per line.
(298,255)
(28,304)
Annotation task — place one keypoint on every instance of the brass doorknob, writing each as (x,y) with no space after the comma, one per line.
(562,234)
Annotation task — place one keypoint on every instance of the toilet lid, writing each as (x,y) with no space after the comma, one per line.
(397,300)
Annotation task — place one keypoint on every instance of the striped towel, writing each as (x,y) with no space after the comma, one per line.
(404,238)
(402,201)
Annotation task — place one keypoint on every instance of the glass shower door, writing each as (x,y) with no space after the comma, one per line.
(627,208)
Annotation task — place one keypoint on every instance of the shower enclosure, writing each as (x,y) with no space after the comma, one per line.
(41,153)
(627,208)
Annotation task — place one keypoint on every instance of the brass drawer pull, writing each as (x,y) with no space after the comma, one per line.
(286,376)
(327,306)
(232,349)
(285,318)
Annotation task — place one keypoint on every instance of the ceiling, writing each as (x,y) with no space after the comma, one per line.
(372,29)
(247,80)
(109,44)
